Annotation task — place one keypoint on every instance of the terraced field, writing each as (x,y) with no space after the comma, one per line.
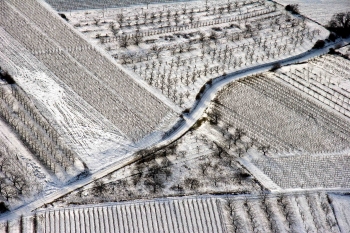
(202,215)
(302,213)
(331,171)
(279,116)
(68,5)
(99,81)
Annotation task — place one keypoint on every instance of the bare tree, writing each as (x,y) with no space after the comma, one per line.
(264,149)
(157,50)
(214,116)
(138,39)
(99,188)
(123,42)
(8,192)
(239,133)
(97,21)
(154,183)
(192,183)
(120,19)
(191,18)
(240,152)
(204,167)
(219,152)
(216,178)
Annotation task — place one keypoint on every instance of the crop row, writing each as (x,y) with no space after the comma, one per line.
(318,88)
(277,110)
(68,5)
(301,213)
(178,49)
(36,132)
(284,213)
(306,171)
(291,98)
(17,177)
(175,216)
(136,111)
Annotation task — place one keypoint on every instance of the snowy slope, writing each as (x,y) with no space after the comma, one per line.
(341,205)
(319,10)
(81,126)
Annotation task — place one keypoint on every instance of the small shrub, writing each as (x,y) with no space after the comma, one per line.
(243,175)
(201,91)
(332,51)
(275,67)
(7,77)
(63,16)
(294,8)
(319,44)
(186,111)
(332,36)
(177,188)
(199,123)
(3,208)
(217,29)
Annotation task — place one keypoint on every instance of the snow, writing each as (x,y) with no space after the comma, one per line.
(93,137)
(76,120)
(345,50)
(184,90)
(189,121)
(109,85)
(67,5)
(274,114)
(10,139)
(293,172)
(161,215)
(262,178)
(193,150)
(341,206)
(36,174)
(319,10)
(324,79)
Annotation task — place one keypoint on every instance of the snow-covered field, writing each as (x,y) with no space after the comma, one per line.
(261,158)
(180,215)
(307,171)
(86,131)
(345,50)
(177,48)
(68,5)
(319,10)
(302,213)
(136,112)
(284,213)
(278,116)
(17,161)
(202,161)
(324,79)
(341,206)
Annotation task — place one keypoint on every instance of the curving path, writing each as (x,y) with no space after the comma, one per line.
(189,120)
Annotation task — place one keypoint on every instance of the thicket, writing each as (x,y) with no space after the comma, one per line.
(4,75)
(340,24)
(319,44)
